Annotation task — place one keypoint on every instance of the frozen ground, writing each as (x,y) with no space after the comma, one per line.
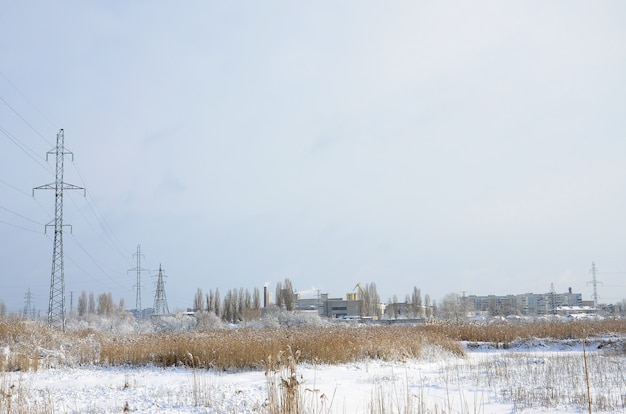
(533,377)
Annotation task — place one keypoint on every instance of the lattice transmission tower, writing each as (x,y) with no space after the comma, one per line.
(160,301)
(138,269)
(56,306)
(594,282)
(29,310)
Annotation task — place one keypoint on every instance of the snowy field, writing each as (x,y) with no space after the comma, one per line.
(532,377)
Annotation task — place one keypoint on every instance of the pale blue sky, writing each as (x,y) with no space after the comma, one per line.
(453,146)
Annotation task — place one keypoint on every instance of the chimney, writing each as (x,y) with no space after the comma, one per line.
(265,296)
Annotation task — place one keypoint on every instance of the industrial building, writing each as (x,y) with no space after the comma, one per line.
(350,307)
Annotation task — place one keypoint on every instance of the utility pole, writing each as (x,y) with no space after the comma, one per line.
(138,269)
(160,301)
(56,306)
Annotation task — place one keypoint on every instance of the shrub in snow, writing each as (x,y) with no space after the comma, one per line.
(118,322)
(275,317)
(174,323)
(208,320)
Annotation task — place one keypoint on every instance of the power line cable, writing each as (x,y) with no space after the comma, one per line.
(30,196)
(79,267)
(22,216)
(15,188)
(23,147)
(19,227)
(25,121)
(106,227)
(28,101)
(95,261)
(93,227)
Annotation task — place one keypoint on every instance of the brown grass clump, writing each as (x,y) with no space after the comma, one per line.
(284,395)
(20,341)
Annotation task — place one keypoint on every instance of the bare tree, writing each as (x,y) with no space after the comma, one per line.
(198,301)
(395,307)
(373,300)
(105,304)
(209,301)
(91,306)
(416,302)
(227,308)
(289,297)
(279,295)
(451,307)
(429,307)
(234,308)
(217,305)
(230,312)
(247,300)
(241,303)
(256,299)
(82,304)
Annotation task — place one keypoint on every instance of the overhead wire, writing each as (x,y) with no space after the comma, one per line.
(14,188)
(25,121)
(21,215)
(19,227)
(79,267)
(95,261)
(97,212)
(28,101)
(27,195)
(23,147)
(88,221)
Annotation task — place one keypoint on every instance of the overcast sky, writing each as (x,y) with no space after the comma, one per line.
(472,147)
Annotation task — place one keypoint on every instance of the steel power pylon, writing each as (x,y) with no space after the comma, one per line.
(594,282)
(138,269)
(56,306)
(29,312)
(160,301)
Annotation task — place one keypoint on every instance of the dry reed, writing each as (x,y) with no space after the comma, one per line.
(29,346)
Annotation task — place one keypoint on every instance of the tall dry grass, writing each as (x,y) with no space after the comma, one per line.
(284,393)
(507,332)
(248,348)
(25,345)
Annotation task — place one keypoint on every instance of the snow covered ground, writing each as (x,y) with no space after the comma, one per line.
(532,377)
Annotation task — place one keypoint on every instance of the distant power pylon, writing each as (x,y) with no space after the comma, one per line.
(138,269)
(552,299)
(56,306)
(594,282)
(29,311)
(160,301)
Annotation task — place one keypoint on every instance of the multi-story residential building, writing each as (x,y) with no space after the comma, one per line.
(524,304)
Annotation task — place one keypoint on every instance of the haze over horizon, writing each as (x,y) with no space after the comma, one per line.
(457,147)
